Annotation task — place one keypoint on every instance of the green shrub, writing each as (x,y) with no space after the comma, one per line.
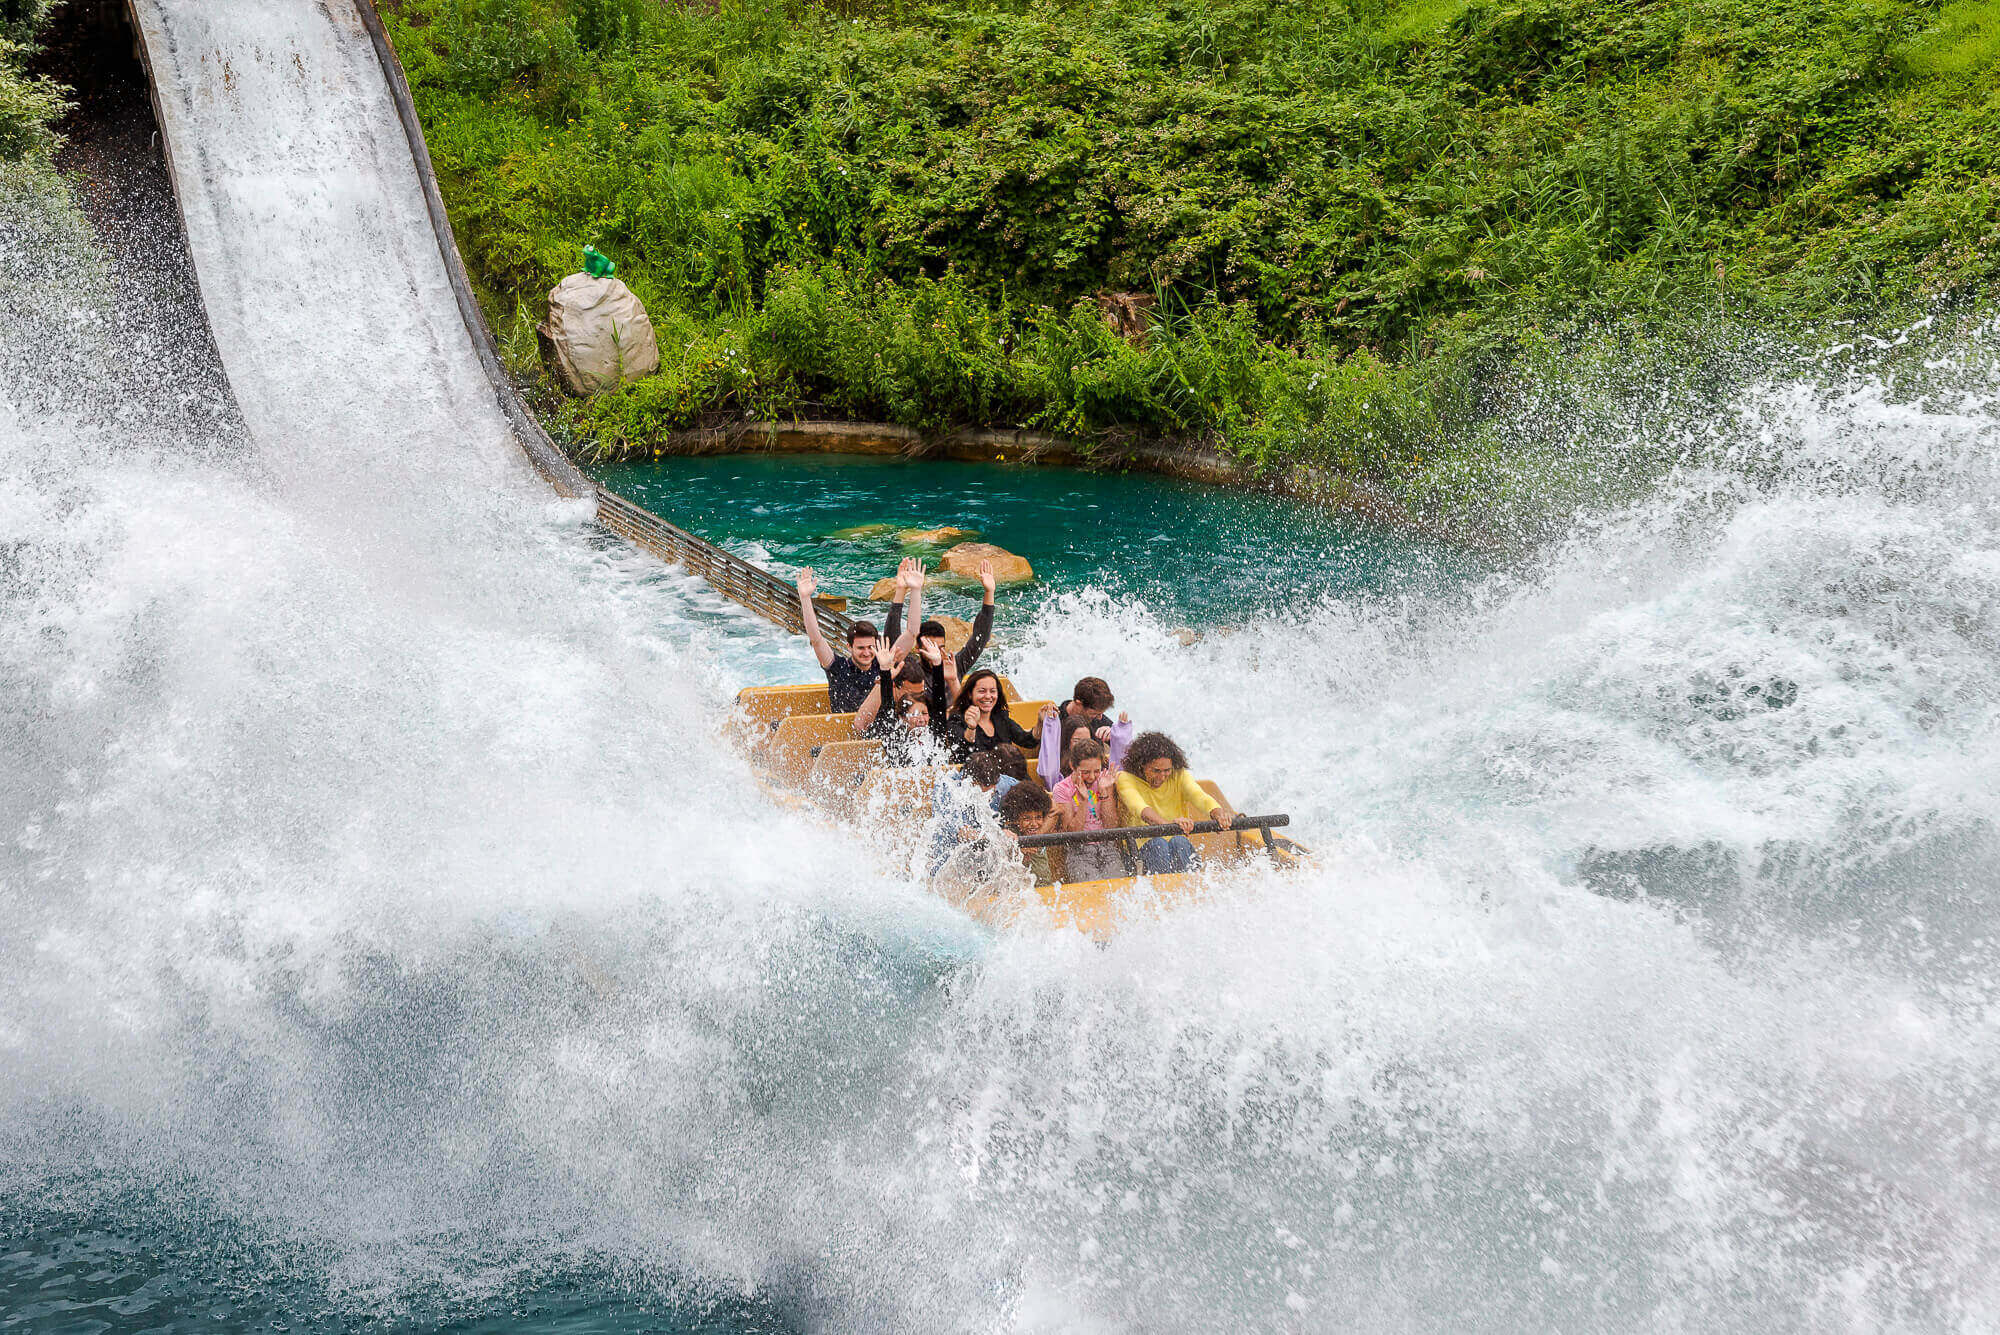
(28,108)
(1357,222)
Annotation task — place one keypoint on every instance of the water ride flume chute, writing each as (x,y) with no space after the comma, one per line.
(808,758)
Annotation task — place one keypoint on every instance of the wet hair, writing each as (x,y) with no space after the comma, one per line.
(905,708)
(1148,747)
(1093,694)
(1066,735)
(1023,799)
(965,687)
(931,630)
(983,768)
(862,630)
(1085,748)
(1011,760)
(911,673)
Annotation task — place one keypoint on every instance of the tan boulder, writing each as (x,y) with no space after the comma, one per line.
(598,334)
(963,561)
(957,630)
(885,589)
(935,537)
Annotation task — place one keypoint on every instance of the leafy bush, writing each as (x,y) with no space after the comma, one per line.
(28,108)
(1349,218)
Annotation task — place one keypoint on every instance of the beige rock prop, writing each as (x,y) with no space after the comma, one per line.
(935,537)
(957,630)
(963,561)
(885,589)
(598,333)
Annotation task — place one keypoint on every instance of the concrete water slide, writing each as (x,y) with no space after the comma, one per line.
(339,305)
(327,268)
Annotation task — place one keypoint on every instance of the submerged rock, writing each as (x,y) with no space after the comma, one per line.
(935,537)
(957,630)
(861,532)
(885,589)
(963,561)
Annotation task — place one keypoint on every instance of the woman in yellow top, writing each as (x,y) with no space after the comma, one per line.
(1157,789)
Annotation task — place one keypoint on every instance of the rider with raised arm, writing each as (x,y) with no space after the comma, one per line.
(860,675)
(947,668)
(1090,700)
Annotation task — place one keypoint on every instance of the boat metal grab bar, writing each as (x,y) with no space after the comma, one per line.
(1119,833)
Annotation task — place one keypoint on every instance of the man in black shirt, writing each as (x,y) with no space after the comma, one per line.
(943,669)
(852,678)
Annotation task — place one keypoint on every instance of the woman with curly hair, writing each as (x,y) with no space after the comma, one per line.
(1157,789)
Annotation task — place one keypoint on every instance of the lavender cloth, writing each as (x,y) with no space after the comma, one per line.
(1048,763)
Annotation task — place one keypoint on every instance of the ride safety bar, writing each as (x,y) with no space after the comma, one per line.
(1120,833)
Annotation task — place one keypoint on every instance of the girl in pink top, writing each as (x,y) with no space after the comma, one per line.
(1087,799)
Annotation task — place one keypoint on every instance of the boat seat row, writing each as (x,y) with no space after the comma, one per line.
(792,749)
(771,705)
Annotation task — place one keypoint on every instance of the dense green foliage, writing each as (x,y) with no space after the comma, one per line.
(29,106)
(1354,219)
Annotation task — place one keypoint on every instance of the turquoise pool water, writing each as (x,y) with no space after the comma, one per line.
(1195,554)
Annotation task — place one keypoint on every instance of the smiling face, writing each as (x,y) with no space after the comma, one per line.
(917,717)
(862,649)
(986,694)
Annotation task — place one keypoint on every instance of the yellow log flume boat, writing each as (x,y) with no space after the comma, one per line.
(808,757)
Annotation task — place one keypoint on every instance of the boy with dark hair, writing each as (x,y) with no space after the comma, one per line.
(1026,810)
(1091,699)
(957,801)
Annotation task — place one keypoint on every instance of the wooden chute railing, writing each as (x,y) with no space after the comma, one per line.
(729,575)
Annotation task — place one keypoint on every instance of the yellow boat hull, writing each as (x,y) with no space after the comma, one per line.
(806,757)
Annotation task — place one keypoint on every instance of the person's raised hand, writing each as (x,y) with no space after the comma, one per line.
(933,653)
(971,717)
(1103,735)
(986,577)
(808,585)
(1048,713)
(1124,717)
